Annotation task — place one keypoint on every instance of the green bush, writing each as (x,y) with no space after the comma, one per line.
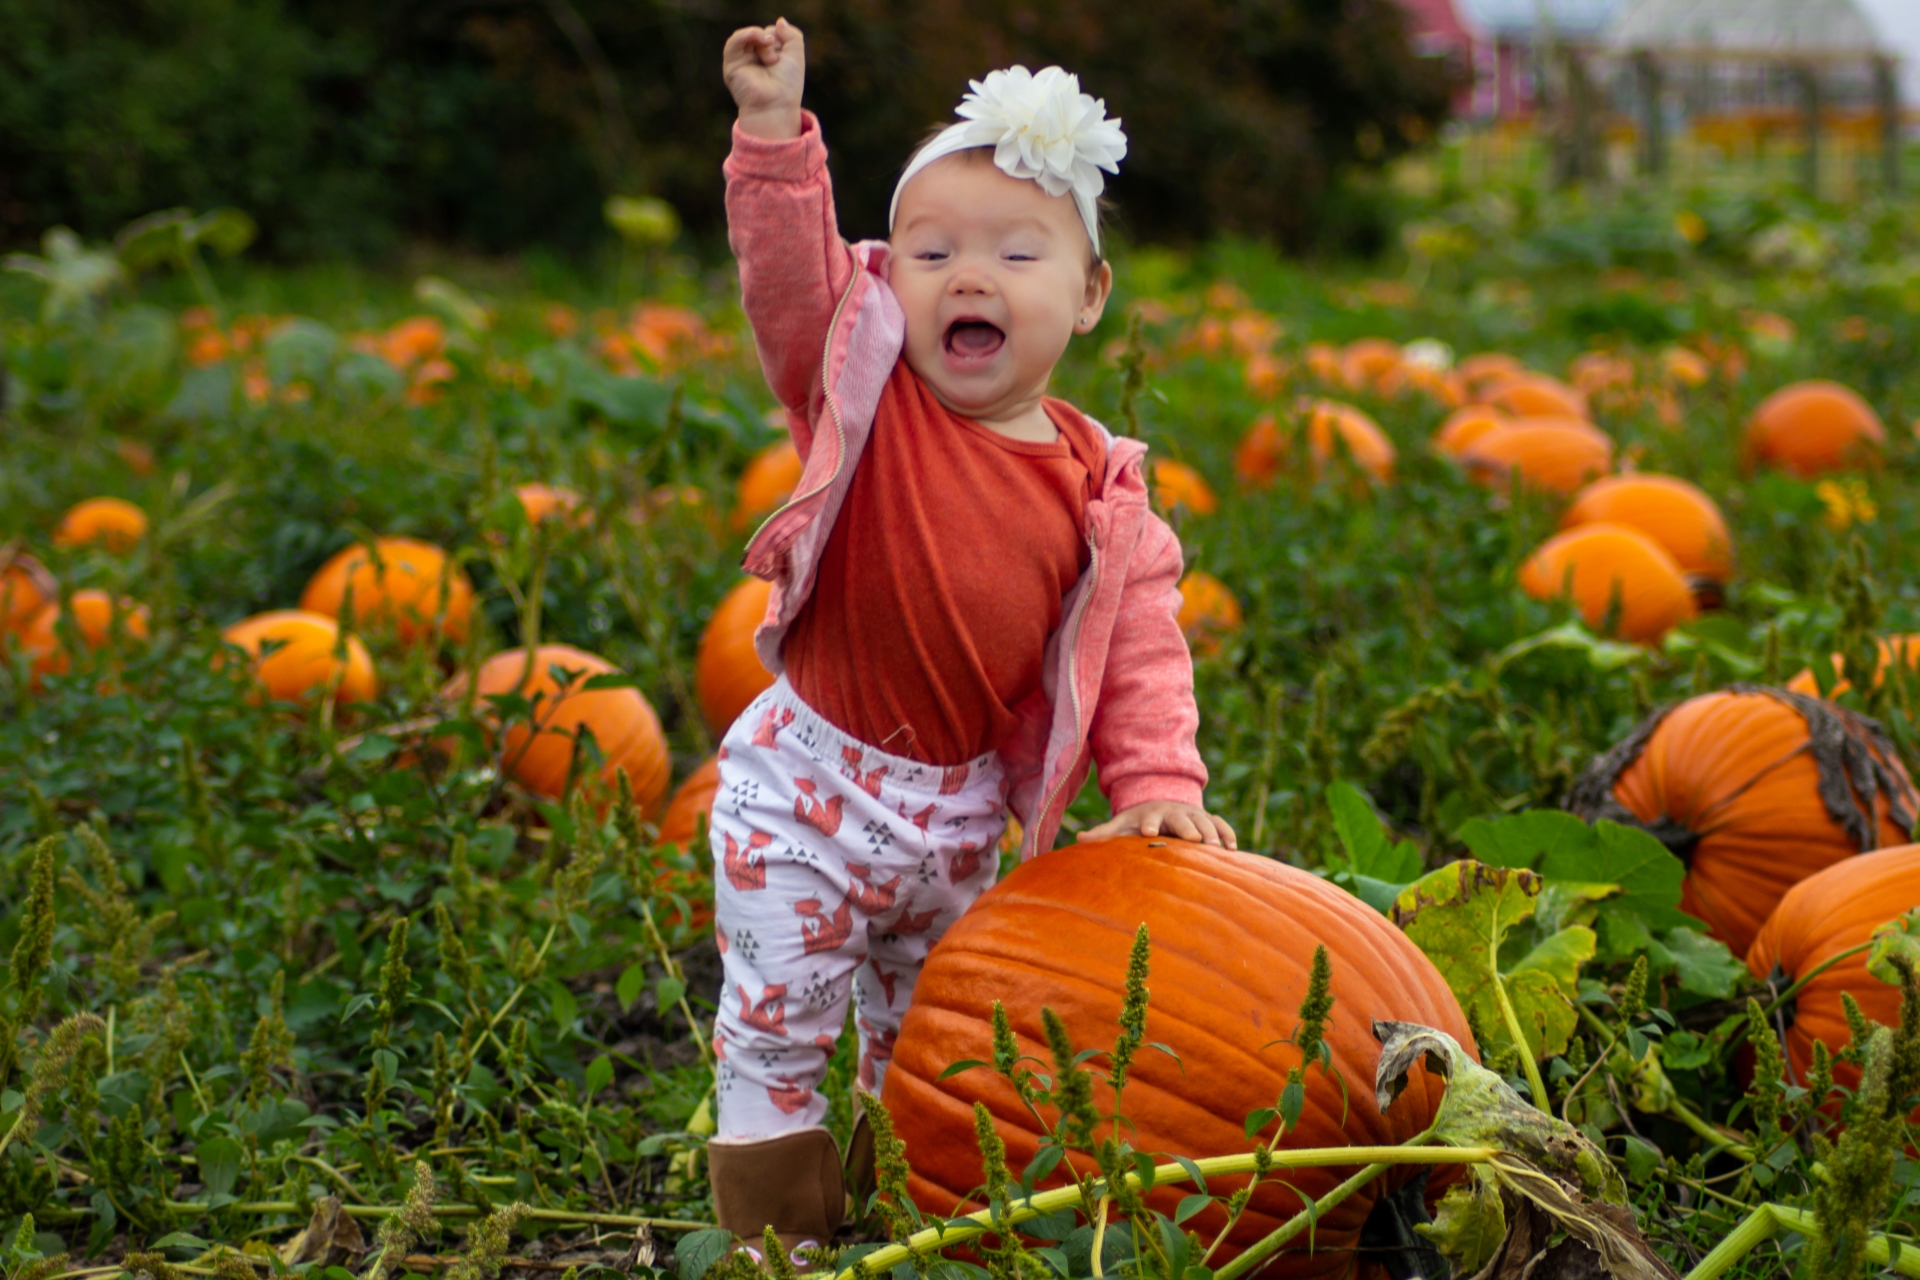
(348,127)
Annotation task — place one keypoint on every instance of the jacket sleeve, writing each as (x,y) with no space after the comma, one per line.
(793,264)
(1145,720)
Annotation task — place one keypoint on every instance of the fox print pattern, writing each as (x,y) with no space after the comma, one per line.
(838,867)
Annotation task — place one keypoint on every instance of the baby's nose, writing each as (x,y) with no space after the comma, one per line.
(969,280)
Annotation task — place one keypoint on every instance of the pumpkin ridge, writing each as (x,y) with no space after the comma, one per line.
(1739,793)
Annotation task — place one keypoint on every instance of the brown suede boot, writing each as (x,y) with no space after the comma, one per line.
(792,1183)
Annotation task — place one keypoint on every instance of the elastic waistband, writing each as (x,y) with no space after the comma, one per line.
(902,772)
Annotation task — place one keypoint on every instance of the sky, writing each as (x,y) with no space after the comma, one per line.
(1899,23)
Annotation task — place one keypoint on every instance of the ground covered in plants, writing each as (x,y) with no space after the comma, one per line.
(280,966)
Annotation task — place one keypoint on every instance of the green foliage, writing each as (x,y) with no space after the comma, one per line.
(345,127)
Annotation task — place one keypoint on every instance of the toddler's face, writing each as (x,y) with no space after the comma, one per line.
(992,273)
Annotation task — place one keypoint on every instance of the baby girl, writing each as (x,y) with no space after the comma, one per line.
(973,601)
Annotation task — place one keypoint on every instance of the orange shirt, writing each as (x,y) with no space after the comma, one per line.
(943,577)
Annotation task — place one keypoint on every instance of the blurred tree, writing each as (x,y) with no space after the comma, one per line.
(345,126)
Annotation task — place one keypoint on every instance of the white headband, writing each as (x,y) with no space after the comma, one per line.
(1040,127)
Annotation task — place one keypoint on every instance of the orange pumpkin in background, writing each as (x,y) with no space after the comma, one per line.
(1265,451)
(405,584)
(767,482)
(1208,612)
(1675,514)
(1555,455)
(1534,395)
(1685,367)
(542,501)
(691,805)
(1175,484)
(1232,945)
(1908,648)
(1595,372)
(622,722)
(1370,364)
(1594,563)
(113,524)
(1810,428)
(1480,371)
(94,615)
(1738,783)
(727,673)
(303,662)
(684,827)
(1822,916)
(25,589)
(1464,426)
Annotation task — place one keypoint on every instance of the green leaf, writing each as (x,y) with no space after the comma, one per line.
(633,980)
(699,1250)
(1704,965)
(965,1064)
(1191,1205)
(1601,655)
(1369,852)
(1460,915)
(1469,1226)
(1643,1159)
(566,1009)
(667,992)
(599,1074)
(1685,1051)
(219,1160)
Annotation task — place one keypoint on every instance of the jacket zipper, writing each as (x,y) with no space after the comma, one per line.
(1073,684)
(833,411)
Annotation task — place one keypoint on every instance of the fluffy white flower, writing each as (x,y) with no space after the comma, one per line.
(1041,127)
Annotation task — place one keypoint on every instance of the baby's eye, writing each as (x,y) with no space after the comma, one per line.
(931,255)
(1022,257)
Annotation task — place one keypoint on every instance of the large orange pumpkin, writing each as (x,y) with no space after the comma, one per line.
(405,584)
(1675,514)
(727,674)
(1819,918)
(1594,562)
(112,523)
(622,721)
(1557,455)
(302,662)
(1208,612)
(1536,395)
(1810,428)
(1266,450)
(93,616)
(25,589)
(1755,789)
(1233,938)
(767,482)
(1175,484)
(1907,646)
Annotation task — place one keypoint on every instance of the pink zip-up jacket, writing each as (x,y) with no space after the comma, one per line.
(829,329)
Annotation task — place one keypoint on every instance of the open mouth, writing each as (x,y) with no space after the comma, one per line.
(971,340)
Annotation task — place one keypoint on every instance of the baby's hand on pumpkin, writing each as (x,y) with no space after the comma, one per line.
(1166,818)
(766,71)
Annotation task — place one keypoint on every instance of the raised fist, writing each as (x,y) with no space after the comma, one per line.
(766,70)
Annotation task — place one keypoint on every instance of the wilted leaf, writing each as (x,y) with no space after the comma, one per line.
(1460,916)
(1469,1226)
(1482,1110)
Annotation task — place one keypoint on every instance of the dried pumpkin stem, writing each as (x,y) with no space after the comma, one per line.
(976,1224)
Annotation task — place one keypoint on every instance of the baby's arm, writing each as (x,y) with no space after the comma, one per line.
(1146,719)
(780,218)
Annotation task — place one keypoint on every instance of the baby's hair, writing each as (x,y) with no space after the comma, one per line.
(1102,206)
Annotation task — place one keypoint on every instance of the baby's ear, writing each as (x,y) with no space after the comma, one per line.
(1094,303)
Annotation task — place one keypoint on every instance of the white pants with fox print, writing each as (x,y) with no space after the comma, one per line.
(836,868)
